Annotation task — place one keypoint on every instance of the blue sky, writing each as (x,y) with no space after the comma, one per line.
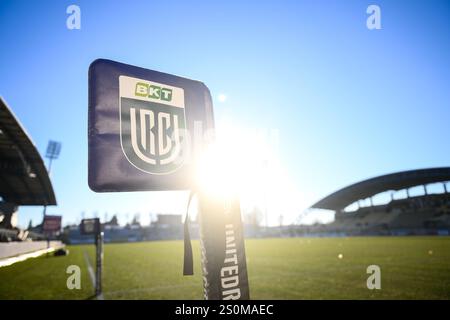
(349,103)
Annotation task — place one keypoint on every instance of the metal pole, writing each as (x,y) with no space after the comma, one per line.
(265,165)
(265,211)
(49,166)
(99,263)
(48,246)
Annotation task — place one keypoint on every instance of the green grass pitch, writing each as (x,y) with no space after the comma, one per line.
(295,268)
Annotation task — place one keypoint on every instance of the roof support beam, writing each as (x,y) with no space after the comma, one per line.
(394,181)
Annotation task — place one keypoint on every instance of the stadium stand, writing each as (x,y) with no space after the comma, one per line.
(24,180)
(427,214)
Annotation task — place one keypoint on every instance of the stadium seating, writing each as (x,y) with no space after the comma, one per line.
(426,214)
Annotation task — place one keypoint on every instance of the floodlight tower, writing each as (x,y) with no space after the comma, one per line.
(265,172)
(53,151)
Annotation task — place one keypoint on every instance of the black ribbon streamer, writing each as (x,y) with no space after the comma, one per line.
(188,265)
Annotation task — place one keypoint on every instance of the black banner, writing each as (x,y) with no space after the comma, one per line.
(223,252)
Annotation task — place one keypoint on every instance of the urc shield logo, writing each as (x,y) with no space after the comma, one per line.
(152,124)
(146,129)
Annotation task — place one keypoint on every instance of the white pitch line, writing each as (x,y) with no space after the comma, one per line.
(23,257)
(91,271)
(91,274)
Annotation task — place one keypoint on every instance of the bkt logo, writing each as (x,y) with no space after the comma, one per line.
(152,121)
(152,91)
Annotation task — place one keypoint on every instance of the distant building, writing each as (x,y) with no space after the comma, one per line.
(167,227)
(168,220)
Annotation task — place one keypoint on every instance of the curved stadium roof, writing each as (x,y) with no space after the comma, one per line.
(394,181)
(24,178)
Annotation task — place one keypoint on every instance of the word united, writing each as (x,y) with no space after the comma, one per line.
(230,272)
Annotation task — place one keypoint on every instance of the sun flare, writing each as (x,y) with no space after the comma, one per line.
(245,162)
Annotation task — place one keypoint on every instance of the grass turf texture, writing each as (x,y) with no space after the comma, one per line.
(298,268)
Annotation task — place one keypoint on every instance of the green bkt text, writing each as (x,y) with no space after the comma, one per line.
(154,92)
